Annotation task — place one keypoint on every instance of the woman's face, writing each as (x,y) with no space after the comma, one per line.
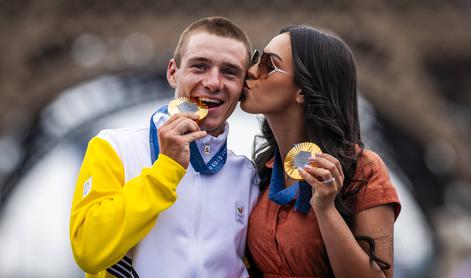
(271,87)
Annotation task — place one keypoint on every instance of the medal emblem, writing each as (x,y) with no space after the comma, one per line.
(298,157)
(186,105)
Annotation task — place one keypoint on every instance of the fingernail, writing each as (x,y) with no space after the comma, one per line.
(318,154)
(309,167)
(312,158)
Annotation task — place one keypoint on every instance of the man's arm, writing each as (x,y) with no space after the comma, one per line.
(109,216)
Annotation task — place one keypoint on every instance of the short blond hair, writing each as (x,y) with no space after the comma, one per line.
(217,25)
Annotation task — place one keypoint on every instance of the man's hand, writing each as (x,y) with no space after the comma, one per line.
(176,134)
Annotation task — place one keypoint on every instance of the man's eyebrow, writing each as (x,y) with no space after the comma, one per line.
(233,66)
(198,59)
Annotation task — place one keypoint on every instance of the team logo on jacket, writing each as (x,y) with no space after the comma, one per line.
(240,212)
(87,186)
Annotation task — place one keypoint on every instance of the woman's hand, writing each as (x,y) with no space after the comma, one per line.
(326,180)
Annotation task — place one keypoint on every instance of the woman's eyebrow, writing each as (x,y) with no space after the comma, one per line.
(273,55)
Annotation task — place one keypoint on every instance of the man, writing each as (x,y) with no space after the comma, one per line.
(157,201)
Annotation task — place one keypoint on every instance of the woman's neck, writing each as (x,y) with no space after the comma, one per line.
(288,128)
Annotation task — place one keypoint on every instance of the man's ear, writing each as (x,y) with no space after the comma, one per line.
(171,73)
(299,96)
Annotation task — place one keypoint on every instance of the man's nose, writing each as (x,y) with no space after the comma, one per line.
(213,80)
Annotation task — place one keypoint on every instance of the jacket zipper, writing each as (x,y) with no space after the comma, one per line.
(199,196)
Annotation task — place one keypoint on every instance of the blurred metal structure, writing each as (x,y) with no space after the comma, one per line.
(413,58)
(414,63)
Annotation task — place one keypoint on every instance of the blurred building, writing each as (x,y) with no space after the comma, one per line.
(414,63)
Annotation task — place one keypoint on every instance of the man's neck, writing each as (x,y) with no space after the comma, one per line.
(218,131)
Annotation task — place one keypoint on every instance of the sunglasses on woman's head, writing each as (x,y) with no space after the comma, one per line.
(266,66)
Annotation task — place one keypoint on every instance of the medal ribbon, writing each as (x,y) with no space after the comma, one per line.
(301,191)
(212,167)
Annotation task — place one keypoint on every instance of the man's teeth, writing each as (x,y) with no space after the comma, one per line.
(210,100)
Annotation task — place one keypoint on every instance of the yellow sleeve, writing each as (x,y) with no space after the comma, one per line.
(110,217)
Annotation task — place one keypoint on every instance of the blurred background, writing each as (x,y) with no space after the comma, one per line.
(71,68)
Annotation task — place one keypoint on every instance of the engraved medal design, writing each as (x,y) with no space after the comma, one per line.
(186,105)
(298,157)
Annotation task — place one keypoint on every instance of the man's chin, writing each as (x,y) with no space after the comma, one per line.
(212,128)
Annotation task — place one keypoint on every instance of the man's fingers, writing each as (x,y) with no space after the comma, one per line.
(180,129)
(185,126)
(180,125)
(190,137)
(178,117)
(194,116)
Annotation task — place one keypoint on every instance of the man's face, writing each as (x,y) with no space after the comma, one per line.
(212,70)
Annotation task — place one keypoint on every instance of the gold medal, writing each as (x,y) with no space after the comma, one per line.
(186,105)
(298,157)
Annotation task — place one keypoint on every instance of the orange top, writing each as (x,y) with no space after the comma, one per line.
(286,243)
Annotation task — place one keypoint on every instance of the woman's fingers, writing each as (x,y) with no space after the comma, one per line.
(320,173)
(323,163)
(309,177)
(325,175)
(335,161)
(323,194)
(322,176)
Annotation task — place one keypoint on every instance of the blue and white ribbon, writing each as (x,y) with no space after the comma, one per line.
(301,191)
(212,167)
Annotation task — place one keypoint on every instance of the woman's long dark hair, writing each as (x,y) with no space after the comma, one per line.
(325,71)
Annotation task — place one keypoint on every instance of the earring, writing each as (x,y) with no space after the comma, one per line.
(300,99)
(300,96)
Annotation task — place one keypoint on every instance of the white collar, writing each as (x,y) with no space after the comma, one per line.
(209,145)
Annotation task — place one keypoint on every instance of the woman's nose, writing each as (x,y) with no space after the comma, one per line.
(251,73)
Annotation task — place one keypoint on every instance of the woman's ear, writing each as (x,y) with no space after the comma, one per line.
(299,96)
(171,73)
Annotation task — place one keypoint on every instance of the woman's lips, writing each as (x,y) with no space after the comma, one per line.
(246,85)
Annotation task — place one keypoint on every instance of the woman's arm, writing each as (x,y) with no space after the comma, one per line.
(347,257)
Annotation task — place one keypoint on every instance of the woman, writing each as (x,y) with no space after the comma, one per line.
(304,84)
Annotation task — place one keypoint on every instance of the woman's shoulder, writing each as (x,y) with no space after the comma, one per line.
(370,163)
(375,185)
